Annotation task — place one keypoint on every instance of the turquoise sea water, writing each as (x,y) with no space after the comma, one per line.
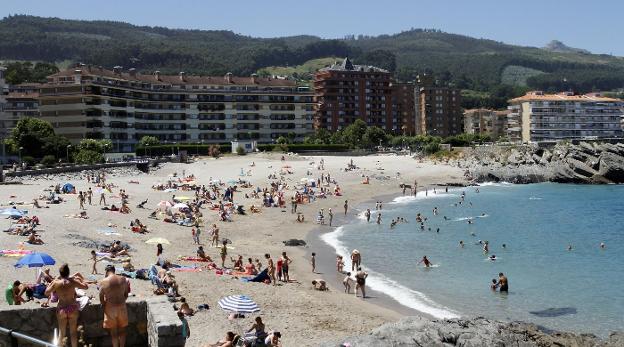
(536,222)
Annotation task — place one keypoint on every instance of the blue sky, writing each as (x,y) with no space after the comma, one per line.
(593,25)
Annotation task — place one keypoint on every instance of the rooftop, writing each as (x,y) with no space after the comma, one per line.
(347,65)
(564,96)
(180,79)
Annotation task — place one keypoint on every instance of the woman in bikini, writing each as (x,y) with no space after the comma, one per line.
(223,253)
(67,310)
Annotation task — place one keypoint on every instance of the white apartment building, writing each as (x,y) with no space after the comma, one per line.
(539,117)
(123,106)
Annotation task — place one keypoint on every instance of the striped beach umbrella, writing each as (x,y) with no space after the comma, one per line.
(238,304)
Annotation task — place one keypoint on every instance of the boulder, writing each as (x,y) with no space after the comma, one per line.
(612,167)
(581,168)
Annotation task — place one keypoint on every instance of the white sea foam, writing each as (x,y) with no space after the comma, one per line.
(468,218)
(405,199)
(376,281)
(535,198)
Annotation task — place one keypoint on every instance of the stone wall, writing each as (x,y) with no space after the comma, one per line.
(153,321)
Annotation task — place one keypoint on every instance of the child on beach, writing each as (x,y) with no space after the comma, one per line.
(347,281)
(95,261)
(339,264)
(313,262)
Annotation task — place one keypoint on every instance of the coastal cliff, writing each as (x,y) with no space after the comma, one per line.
(417,331)
(587,163)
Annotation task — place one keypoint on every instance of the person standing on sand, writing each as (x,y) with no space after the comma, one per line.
(215,235)
(89,195)
(271,268)
(368,215)
(360,282)
(356,259)
(223,253)
(331,216)
(113,295)
(346,206)
(313,262)
(102,197)
(68,310)
(285,265)
(81,199)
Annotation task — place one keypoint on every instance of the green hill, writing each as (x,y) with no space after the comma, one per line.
(474,64)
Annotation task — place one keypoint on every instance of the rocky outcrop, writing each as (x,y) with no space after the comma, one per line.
(585,163)
(417,331)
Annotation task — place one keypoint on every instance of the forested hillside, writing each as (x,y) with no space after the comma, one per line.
(493,70)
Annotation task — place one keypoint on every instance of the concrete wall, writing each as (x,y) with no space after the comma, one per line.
(152,322)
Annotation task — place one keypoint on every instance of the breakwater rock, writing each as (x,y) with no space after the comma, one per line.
(477,332)
(588,163)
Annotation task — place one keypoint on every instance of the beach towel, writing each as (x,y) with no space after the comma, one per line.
(261,277)
(197,259)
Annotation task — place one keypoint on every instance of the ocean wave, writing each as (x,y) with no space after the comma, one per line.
(404,199)
(467,218)
(535,198)
(376,281)
(496,184)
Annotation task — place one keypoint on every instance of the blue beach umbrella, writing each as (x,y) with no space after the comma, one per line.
(238,304)
(35,260)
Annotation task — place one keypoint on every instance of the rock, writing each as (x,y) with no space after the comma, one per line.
(581,168)
(417,331)
(294,242)
(612,167)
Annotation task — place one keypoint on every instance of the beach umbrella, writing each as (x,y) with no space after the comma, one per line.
(157,240)
(164,204)
(238,304)
(180,205)
(35,260)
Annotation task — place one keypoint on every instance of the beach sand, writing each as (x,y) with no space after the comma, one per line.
(305,317)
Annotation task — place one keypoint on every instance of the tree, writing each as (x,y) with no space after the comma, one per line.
(281,140)
(373,136)
(30,134)
(149,141)
(87,156)
(354,133)
(98,146)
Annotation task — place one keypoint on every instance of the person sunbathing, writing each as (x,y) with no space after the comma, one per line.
(319,284)
(228,341)
(34,239)
(202,254)
(250,268)
(238,263)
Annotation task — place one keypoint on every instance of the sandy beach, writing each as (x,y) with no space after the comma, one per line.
(305,317)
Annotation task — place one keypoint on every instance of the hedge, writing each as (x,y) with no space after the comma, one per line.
(193,149)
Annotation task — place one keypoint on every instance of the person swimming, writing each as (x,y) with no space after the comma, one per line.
(461,244)
(425,261)
(492,257)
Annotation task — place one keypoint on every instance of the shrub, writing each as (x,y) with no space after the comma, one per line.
(240,150)
(87,156)
(48,161)
(432,148)
(280,148)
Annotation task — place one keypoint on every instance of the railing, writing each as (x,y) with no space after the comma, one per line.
(15,336)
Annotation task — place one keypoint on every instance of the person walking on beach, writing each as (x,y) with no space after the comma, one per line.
(331,216)
(67,311)
(346,206)
(113,295)
(81,199)
(102,197)
(89,195)
(313,262)
(215,235)
(503,284)
(360,282)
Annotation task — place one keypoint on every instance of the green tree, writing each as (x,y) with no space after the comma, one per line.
(353,134)
(149,140)
(373,136)
(87,156)
(281,140)
(31,134)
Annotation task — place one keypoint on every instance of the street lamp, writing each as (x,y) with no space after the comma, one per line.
(147,149)
(68,147)
(172,147)
(20,155)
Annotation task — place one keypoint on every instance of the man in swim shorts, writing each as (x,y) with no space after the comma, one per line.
(113,294)
(67,311)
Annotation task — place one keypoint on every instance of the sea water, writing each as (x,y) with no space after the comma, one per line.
(579,290)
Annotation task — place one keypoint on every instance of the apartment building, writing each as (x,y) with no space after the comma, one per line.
(4,131)
(539,117)
(484,121)
(438,108)
(123,106)
(346,92)
(403,108)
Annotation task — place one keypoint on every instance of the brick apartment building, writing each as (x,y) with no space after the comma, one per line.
(346,92)
(438,109)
